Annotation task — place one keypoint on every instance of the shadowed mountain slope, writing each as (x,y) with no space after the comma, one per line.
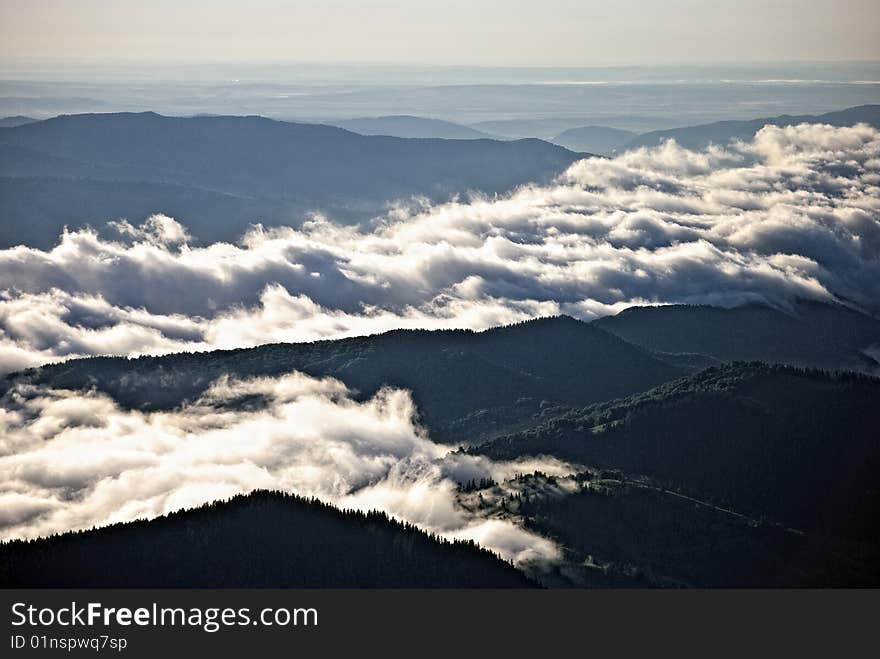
(813,334)
(798,447)
(633,532)
(276,171)
(467,385)
(262,540)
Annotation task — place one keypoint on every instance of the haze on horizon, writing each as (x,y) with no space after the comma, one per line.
(476,32)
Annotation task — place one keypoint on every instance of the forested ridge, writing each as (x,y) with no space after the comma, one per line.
(467,385)
(630,531)
(810,333)
(261,540)
(798,446)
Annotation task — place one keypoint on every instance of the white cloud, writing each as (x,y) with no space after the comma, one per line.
(793,213)
(75,460)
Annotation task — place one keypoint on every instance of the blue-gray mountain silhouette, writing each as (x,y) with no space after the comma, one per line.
(265,170)
(594,139)
(409,126)
(17,120)
(722,132)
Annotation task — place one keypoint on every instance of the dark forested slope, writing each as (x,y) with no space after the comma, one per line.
(633,532)
(263,540)
(811,333)
(467,385)
(795,446)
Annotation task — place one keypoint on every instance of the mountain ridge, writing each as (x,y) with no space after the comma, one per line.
(265,539)
(769,441)
(280,171)
(810,333)
(722,132)
(600,140)
(467,386)
(409,126)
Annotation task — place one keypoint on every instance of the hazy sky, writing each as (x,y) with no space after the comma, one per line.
(490,32)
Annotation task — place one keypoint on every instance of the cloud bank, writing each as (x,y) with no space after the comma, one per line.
(73,460)
(795,213)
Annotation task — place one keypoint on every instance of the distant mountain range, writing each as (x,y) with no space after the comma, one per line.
(603,140)
(408,126)
(607,141)
(263,540)
(54,172)
(520,128)
(547,127)
(600,140)
(12,122)
(220,174)
(722,132)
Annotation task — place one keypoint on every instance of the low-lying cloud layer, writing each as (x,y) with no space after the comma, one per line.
(73,460)
(793,213)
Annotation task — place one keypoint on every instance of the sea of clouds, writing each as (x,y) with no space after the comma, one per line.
(794,213)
